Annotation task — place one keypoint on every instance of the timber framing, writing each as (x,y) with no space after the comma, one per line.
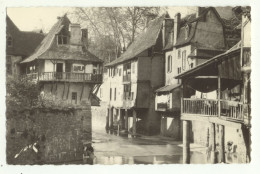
(210,119)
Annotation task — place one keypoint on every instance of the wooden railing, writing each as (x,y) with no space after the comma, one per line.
(209,107)
(200,106)
(231,109)
(66,76)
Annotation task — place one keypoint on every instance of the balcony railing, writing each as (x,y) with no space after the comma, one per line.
(207,107)
(66,76)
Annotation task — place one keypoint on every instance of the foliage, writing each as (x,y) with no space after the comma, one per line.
(21,93)
(113,29)
(24,93)
(50,101)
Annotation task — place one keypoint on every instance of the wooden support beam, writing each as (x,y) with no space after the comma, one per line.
(204,77)
(68,91)
(222,144)
(82,90)
(63,92)
(134,123)
(212,143)
(51,88)
(219,93)
(122,119)
(186,142)
(107,119)
(111,119)
(126,120)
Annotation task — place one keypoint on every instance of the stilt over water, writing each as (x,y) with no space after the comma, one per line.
(186,142)
(212,143)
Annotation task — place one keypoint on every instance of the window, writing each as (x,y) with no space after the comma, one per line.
(62,40)
(8,64)
(95,69)
(119,72)
(74,97)
(169,69)
(179,71)
(115,95)
(78,68)
(132,95)
(110,97)
(9,41)
(184,60)
(179,54)
(127,90)
(191,65)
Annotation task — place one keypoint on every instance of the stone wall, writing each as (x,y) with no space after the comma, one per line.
(52,136)
(234,140)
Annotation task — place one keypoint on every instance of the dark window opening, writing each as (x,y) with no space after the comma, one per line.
(191,65)
(132,95)
(74,97)
(110,97)
(9,41)
(62,40)
(127,92)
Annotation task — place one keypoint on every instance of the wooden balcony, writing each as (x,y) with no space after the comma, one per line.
(66,76)
(229,110)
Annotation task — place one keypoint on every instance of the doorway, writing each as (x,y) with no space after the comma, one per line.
(59,70)
(74,98)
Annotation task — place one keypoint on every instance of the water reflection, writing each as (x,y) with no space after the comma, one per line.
(196,158)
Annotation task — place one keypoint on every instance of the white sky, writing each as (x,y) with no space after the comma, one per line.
(29,18)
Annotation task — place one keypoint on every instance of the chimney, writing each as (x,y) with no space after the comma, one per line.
(84,37)
(176,29)
(166,32)
(75,34)
(199,11)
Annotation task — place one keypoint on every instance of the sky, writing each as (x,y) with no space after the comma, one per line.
(29,19)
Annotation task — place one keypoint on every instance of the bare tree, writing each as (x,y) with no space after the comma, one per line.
(113,29)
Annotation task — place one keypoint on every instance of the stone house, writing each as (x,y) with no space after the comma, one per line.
(225,118)
(133,78)
(64,67)
(192,40)
(19,45)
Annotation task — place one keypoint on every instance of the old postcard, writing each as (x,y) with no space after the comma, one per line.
(128,85)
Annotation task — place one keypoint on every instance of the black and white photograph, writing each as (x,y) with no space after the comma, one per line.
(127,85)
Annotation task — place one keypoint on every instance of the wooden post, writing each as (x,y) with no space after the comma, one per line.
(186,142)
(111,118)
(122,120)
(126,120)
(119,119)
(219,91)
(212,143)
(134,123)
(222,144)
(107,119)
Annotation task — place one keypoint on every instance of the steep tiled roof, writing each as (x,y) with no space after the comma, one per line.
(24,43)
(144,41)
(47,50)
(192,21)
